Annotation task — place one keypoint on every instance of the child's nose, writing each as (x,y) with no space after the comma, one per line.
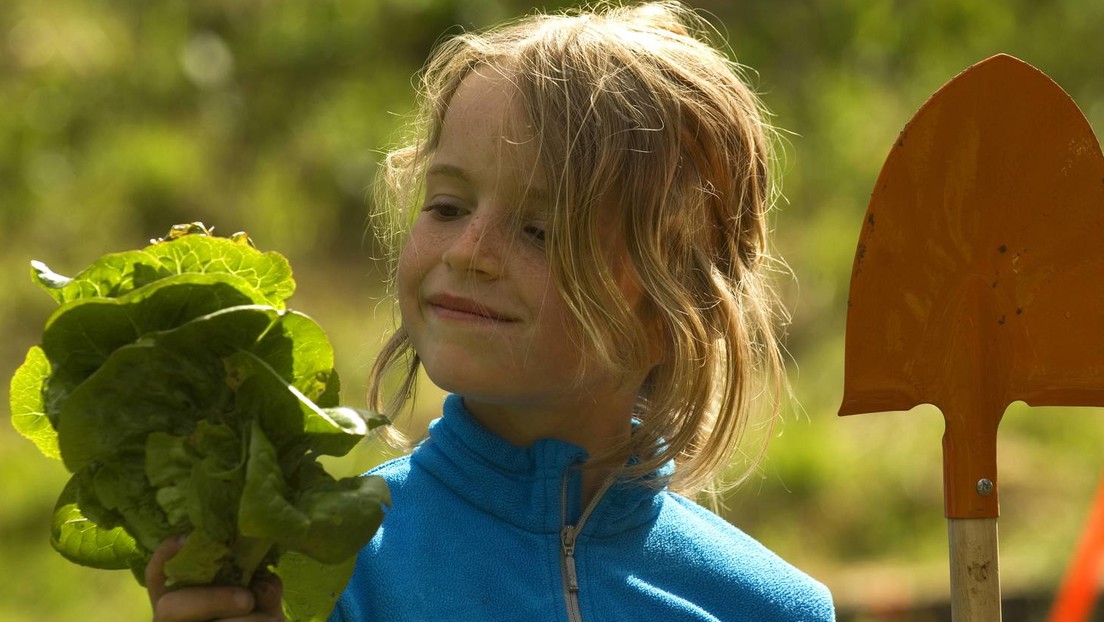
(477,248)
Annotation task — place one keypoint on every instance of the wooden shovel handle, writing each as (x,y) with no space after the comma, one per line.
(975,570)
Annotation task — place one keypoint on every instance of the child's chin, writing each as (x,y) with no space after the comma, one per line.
(457,381)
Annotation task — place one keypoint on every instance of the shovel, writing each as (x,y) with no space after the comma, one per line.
(979,281)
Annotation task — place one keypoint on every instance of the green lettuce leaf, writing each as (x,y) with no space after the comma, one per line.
(268,272)
(28,407)
(289,419)
(117,274)
(80,540)
(297,349)
(75,352)
(120,487)
(106,414)
(198,561)
(311,588)
(342,514)
(265,511)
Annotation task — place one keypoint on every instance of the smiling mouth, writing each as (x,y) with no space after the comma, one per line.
(454,307)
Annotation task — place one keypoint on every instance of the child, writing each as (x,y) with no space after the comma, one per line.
(583,269)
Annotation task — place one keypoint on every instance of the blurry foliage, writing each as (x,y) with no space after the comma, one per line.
(121,118)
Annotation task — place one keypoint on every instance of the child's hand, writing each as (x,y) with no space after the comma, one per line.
(261,603)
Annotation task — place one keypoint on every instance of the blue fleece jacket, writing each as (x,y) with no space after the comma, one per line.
(476,533)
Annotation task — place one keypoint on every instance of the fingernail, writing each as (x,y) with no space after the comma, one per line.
(243,600)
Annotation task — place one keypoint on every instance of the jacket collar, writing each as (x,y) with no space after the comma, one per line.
(523,486)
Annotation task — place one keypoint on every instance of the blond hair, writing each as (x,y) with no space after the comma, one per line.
(637,112)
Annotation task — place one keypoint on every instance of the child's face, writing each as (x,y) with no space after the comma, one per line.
(475,291)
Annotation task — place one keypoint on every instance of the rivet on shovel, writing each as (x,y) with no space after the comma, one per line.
(985,487)
(980,285)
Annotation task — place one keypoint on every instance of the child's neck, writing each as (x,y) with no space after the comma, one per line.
(596,427)
(592,481)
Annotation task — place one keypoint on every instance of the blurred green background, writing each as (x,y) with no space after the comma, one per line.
(122,118)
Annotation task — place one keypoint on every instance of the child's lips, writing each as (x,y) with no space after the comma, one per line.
(458,307)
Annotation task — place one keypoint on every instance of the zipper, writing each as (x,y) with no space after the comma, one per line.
(568,535)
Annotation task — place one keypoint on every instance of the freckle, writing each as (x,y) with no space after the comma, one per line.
(1019,310)
(1001,321)
(870,219)
(1003,248)
(994,285)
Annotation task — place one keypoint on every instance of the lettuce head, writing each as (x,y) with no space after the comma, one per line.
(186,398)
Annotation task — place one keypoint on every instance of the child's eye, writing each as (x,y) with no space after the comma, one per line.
(444,211)
(535,233)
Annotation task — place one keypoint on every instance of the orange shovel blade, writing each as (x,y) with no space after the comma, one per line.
(979,274)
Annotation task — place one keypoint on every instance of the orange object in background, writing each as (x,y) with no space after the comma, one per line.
(978,281)
(1081,585)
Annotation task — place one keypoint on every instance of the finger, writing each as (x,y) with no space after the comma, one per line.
(269,592)
(155,569)
(195,604)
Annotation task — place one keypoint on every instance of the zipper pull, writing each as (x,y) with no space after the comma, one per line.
(567,539)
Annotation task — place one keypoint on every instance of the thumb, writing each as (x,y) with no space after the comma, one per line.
(155,569)
(269,592)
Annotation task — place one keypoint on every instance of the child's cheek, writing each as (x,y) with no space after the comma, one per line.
(407,280)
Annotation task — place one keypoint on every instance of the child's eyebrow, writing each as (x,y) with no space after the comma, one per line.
(536,196)
(448,170)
